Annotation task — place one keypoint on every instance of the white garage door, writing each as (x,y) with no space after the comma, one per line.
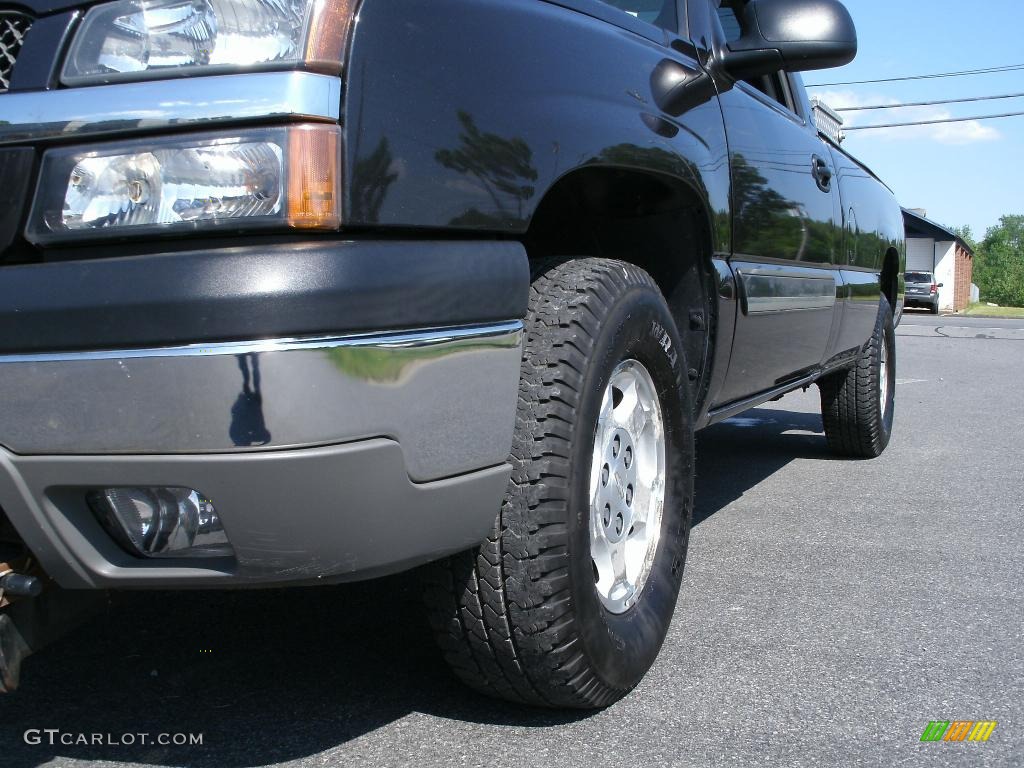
(920,254)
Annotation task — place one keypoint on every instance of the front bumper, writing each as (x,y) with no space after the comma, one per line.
(387,450)
(446,396)
(329,456)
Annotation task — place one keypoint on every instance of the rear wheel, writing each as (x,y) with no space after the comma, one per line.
(569,600)
(857,405)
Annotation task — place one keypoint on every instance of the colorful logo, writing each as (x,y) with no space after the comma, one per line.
(959,730)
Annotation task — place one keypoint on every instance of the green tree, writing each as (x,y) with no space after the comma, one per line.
(999,262)
(967,235)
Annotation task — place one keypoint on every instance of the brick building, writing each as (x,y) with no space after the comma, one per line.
(933,248)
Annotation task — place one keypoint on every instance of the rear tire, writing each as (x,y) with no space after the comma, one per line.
(529,616)
(858,404)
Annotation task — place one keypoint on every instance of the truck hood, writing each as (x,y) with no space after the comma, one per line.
(45,7)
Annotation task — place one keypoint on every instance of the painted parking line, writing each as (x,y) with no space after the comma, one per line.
(962,332)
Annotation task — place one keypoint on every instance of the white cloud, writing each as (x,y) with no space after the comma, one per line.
(967,132)
(837,99)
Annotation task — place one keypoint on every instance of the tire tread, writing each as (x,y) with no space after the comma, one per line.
(517,636)
(853,423)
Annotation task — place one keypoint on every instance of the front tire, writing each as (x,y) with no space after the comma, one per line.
(858,404)
(568,602)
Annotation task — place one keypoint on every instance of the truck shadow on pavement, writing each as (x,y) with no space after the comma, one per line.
(737,454)
(264,676)
(272,676)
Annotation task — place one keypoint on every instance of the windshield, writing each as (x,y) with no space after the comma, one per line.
(919,277)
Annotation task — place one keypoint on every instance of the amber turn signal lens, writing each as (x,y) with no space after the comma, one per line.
(329,25)
(314,177)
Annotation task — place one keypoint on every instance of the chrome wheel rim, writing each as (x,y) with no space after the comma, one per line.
(627,486)
(883,373)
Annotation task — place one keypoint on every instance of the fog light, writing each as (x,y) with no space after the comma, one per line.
(161,521)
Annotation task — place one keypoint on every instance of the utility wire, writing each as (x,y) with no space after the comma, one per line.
(929,103)
(931,122)
(962,73)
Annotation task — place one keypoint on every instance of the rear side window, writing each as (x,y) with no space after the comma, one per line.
(728,15)
(660,13)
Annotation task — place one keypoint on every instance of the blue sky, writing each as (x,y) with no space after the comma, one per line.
(962,173)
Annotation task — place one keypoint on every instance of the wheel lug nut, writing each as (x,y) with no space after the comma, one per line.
(607,517)
(604,475)
(628,458)
(629,494)
(615,445)
(618,523)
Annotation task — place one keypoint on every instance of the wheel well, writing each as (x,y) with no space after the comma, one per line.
(890,276)
(653,221)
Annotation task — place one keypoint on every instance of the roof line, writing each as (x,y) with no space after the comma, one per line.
(927,224)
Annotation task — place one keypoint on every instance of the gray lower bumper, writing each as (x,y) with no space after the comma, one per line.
(303,516)
(326,458)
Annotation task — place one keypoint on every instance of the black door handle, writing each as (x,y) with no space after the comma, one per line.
(822,173)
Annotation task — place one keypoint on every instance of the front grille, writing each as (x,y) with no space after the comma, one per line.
(13,28)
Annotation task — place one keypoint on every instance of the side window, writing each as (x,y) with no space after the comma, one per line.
(660,13)
(775,85)
(728,16)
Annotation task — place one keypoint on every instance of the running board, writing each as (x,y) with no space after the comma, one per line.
(736,407)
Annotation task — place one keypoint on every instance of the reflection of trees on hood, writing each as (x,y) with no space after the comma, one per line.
(500,165)
(371,178)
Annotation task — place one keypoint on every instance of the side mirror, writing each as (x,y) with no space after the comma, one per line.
(939,285)
(794,35)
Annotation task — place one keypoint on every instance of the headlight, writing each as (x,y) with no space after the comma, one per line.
(280,177)
(137,39)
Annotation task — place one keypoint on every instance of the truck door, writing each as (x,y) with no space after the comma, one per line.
(787,227)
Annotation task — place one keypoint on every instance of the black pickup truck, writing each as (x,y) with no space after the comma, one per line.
(298,292)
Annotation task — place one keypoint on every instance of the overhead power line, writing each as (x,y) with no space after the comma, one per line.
(962,73)
(929,103)
(931,122)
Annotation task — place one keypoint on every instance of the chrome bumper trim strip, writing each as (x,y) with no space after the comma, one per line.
(377,340)
(162,104)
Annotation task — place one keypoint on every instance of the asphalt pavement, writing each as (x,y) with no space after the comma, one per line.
(830,609)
